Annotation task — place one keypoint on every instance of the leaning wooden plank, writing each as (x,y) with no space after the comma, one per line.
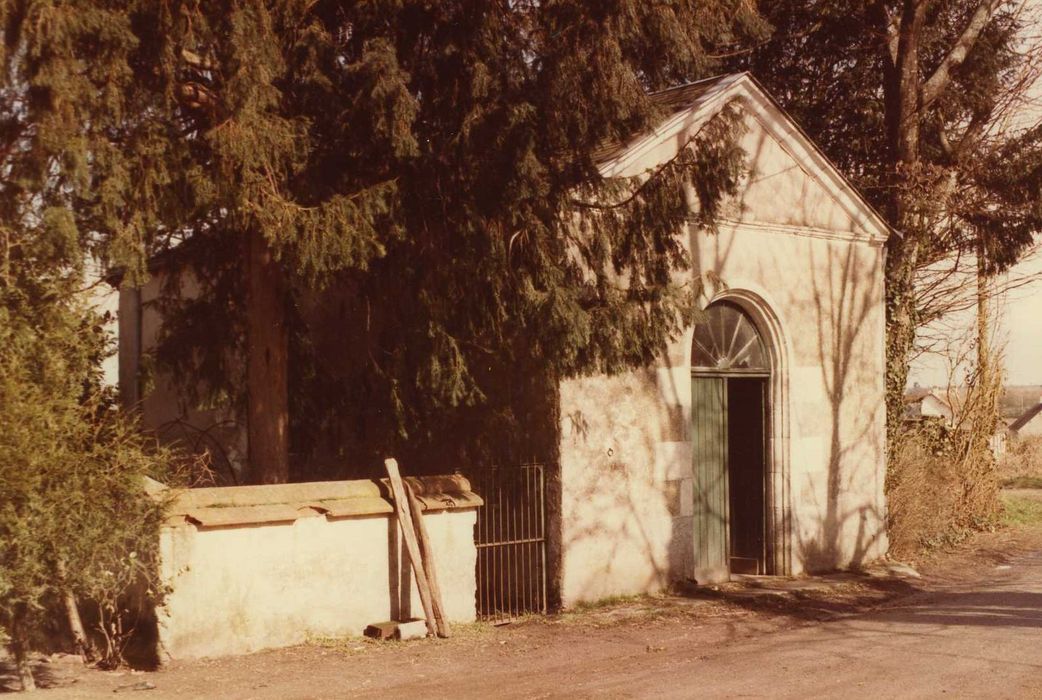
(426,551)
(401,506)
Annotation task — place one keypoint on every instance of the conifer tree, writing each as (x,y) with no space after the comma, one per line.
(252,100)
(434,162)
(426,165)
(75,522)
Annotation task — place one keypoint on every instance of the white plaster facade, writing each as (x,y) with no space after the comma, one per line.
(257,567)
(803,254)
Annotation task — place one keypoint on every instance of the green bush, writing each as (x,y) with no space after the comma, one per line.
(76,525)
(1021,510)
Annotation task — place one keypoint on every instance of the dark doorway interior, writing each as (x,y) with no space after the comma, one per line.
(746,474)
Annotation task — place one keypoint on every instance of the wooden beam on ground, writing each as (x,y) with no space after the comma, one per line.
(401,507)
(428,562)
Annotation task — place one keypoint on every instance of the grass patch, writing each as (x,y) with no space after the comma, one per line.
(1019,510)
(1023,482)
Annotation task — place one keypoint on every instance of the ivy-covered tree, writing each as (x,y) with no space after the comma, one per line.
(906,97)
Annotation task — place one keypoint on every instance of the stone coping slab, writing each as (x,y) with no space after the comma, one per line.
(231,506)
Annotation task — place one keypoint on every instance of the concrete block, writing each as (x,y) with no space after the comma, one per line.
(381,630)
(412,629)
(687,497)
(671,493)
(674,385)
(675,425)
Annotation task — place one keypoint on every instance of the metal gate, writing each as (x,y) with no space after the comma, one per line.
(511,542)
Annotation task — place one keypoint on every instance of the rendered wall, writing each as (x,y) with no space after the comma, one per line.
(327,564)
(626,471)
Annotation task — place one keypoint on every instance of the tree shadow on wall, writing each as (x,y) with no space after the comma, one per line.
(846,305)
(615,509)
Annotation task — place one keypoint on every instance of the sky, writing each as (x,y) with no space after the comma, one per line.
(1018,333)
(1022,325)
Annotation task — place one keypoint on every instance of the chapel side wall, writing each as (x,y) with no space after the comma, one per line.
(627,524)
(627,499)
(836,328)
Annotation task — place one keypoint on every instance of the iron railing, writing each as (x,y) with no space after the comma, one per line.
(511,542)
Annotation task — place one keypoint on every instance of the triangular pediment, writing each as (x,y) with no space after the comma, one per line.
(790,184)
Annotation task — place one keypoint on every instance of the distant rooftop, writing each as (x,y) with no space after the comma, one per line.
(1026,418)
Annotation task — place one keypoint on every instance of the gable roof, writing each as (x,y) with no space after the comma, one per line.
(691,105)
(1026,418)
(916,393)
(926,404)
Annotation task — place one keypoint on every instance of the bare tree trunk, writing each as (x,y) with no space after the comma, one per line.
(79,635)
(901,324)
(901,96)
(906,91)
(20,652)
(72,614)
(983,320)
(25,673)
(988,373)
(267,348)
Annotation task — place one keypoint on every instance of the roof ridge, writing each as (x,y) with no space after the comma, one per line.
(1026,417)
(681,86)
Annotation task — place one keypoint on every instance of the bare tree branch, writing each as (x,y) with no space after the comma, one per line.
(938,81)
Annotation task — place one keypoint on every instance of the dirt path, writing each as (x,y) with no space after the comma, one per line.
(969,628)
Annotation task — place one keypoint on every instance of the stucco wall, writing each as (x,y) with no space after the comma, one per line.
(792,255)
(325,562)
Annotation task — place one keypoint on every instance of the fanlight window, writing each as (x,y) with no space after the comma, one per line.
(727,340)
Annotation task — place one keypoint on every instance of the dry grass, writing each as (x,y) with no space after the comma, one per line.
(924,496)
(942,481)
(1021,466)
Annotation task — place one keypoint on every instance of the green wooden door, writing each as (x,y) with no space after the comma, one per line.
(709,435)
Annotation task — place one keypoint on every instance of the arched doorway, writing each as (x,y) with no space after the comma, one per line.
(730,413)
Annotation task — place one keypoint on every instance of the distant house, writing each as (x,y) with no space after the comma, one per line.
(925,404)
(1029,424)
(1017,400)
(921,404)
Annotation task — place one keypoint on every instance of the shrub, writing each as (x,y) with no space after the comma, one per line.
(923,491)
(75,521)
(943,480)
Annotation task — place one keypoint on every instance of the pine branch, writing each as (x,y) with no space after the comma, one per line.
(681,152)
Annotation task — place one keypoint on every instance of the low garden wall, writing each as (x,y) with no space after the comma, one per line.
(255,567)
